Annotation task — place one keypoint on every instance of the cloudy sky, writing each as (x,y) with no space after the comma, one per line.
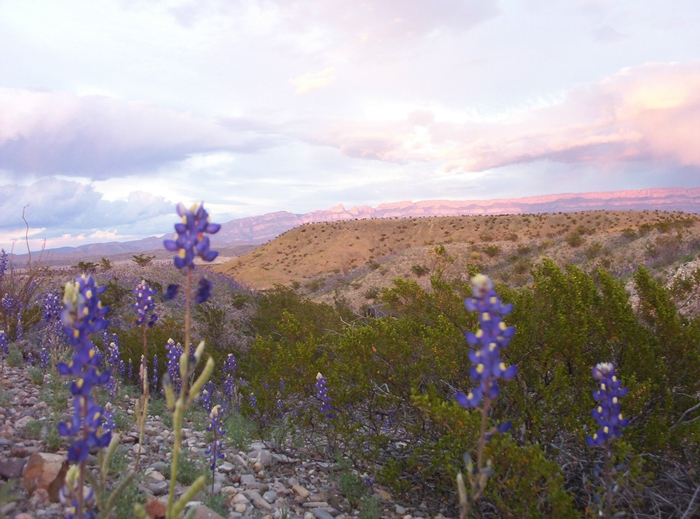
(112,111)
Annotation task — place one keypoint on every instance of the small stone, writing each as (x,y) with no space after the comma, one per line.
(383,494)
(240,508)
(203,512)
(260,503)
(400,510)
(321,513)
(247,479)
(159,488)
(240,498)
(315,504)
(22,422)
(160,466)
(258,467)
(265,458)
(22,451)
(301,491)
(270,496)
(39,498)
(7,508)
(156,509)
(11,468)
(226,468)
(47,471)
(156,476)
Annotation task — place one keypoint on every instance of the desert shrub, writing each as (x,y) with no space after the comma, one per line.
(420,270)
(492,250)
(574,239)
(629,233)
(665,249)
(372,293)
(593,250)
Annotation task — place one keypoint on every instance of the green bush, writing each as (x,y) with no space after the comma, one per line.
(15,359)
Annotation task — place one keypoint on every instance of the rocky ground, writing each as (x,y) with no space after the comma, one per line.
(256,482)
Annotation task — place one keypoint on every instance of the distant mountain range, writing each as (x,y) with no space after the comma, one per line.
(259,229)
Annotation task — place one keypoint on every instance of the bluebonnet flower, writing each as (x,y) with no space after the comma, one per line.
(607,413)
(171,291)
(51,306)
(205,396)
(322,395)
(69,497)
(8,303)
(191,240)
(490,338)
(144,304)
(3,263)
(214,449)
(108,423)
(215,427)
(82,316)
(4,345)
(174,352)
(130,370)
(87,424)
(44,357)
(154,378)
(253,401)
(203,291)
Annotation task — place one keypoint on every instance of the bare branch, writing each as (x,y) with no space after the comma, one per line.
(26,237)
(689,510)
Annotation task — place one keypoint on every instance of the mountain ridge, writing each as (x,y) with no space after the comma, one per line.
(254,230)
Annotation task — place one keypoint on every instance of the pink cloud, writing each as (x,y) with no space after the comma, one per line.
(651,112)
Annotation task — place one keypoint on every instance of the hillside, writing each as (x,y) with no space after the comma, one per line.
(355,258)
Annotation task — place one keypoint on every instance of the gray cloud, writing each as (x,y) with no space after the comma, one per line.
(47,133)
(68,207)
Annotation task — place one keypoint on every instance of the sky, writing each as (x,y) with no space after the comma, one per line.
(113,111)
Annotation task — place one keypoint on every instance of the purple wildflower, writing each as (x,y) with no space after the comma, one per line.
(174,352)
(607,413)
(108,423)
(171,291)
(144,304)
(3,263)
(214,449)
(205,396)
(44,357)
(154,378)
(322,395)
(191,240)
(51,307)
(490,338)
(203,291)
(82,316)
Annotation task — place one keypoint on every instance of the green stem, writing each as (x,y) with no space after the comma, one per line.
(180,404)
(607,507)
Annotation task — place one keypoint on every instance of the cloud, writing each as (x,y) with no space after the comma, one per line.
(56,207)
(313,80)
(45,133)
(647,113)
